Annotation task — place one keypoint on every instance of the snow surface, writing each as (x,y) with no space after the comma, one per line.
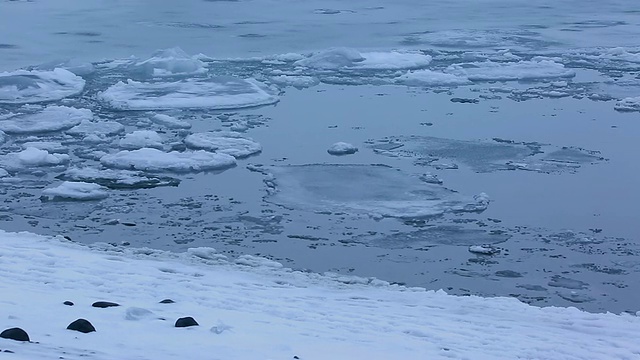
(342,148)
(337,58)
(521,70)
(24,87)
(149,159)
(431,78)
(214,93)
(224,142)
(50,119)
(254,309)
(70,190)
(140,139)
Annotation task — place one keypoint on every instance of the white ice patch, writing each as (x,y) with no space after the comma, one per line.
(31,157)
(297,81)
(521,70)
(69,190)
(116,179)
(171,62)
(24,87)
(100,129)
(50,119)
(50,146)
(141,139)
(3,173)
(628,104)
(431,78)
(257,261)
(337,58)
(3,137)
(214,93)
(148,159)
(342,148)
(224,142)
(170,122)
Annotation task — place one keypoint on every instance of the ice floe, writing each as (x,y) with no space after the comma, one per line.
(50,146)
(33,157)
(117,179)
(374,190)
(628,104)
(50,119)
(521,70)
(101,129)
(24,87)
(431,78)
(141,139)
(224,142)
(297,81)
(342,148)
(338,58)
(171,62)
(213,93)
(149,159)
(81,191)
(170,122)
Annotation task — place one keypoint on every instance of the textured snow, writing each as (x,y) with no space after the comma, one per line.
(342,148)
(628,104)
(24,87)
(140,139)
(69,190)
(214,93)
(171,62)
(170,122)
(337,58)
(521,70)
(50,119)
(431,78)
(264,311)
(224,142)
(149,159)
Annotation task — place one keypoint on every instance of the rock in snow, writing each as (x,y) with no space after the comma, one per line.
(104,304)
(81,325)
(186,322)
(15,334)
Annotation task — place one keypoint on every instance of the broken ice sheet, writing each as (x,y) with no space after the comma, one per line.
(487,155)
(374,190)
(437,235)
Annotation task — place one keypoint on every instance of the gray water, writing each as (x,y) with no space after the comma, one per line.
(556,159)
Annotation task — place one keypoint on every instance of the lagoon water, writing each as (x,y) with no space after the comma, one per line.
(510,125)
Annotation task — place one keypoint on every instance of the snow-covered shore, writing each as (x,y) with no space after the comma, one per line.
(252,308)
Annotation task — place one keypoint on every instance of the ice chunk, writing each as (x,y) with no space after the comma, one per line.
(75,191)
(50,146)
(24,87)
(521,70)
(257,261)
(224,142)
(298,81)
(117,179)
(140,139)
(375,190)
(436,235)
(342,148)
(148,159)
(483,249)
(100,129)
(51,118)
(170,122)
(3,137)
(213,93)
(3,173)
(337,58)
(36,157)
(628,104)
(431,78)
(171,62)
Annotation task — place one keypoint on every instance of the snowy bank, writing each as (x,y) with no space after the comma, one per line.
(257,310)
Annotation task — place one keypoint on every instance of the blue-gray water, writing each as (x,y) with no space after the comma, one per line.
(557,160)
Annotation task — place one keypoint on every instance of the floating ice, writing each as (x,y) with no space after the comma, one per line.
(3,137)
(213,93)
(171,62)
(298,81)
(3,173)
(521,70)
(50,119)
(436,235)
(342,148)
(337,58)
(148,159)
(100,129)
(628,104)
(483,249)
(31,157)
(50,146)
(76,191)
(141,139)
(431,78)
(170,122)
(117,179)
(24,87)
(376,190)
(225,142)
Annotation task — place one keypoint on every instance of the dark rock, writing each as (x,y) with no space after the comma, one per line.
(167,301)
(82,325)
(9,351)
(16,334)
(104,304)
(186,322)
(68,303)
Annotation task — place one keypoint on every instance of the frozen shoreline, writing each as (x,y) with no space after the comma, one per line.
(253,308)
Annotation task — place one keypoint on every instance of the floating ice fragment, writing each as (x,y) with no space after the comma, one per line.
(3,173)
(342,148)
(117,179)
(171,62)
(36,157)
(170,122)
(50,119)
(24,87)
(337,58)
(98,128)
(225,142)
(50,146)
(483,249)
(76,191)
(521,70)
(431,78)
(628,104)
(298,81)
(148,159)
(212,93)
(257,261)
(141,139)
